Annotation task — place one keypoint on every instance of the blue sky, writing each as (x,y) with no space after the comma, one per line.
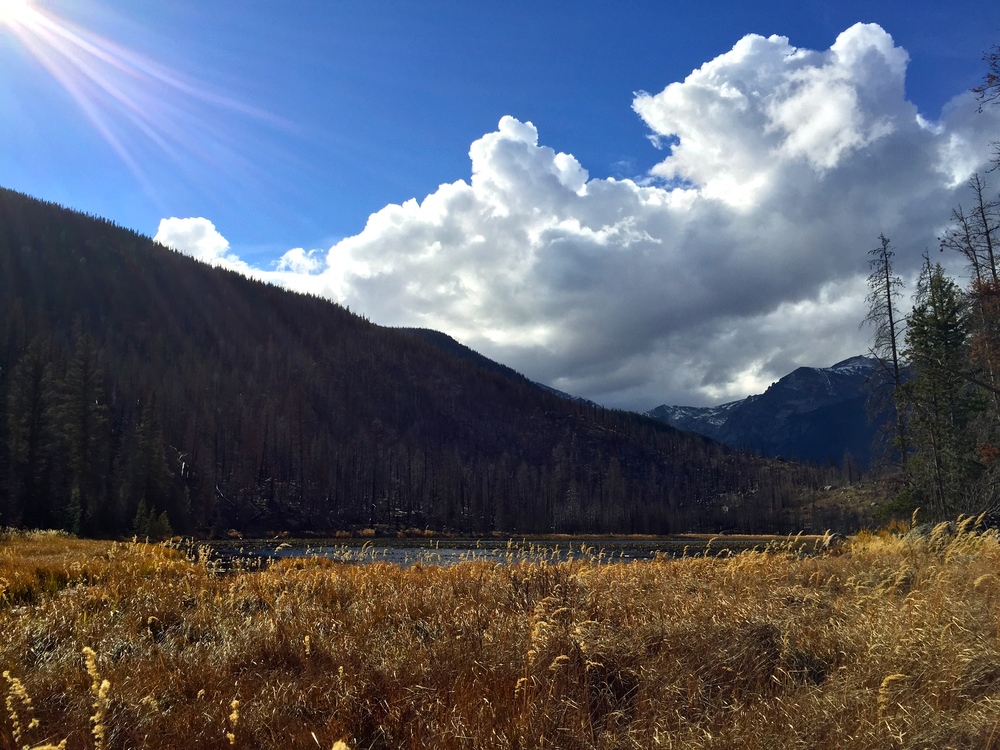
(287,126)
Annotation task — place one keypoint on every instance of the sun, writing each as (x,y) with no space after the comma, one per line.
(15,11)
(130,100)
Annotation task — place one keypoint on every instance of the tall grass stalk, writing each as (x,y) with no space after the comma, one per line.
(881,642)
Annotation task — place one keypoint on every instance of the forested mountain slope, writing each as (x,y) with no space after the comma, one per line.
(141,388)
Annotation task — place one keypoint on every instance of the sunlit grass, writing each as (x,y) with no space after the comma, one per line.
(883,643)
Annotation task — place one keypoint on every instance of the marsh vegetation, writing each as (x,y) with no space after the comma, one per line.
(884,642)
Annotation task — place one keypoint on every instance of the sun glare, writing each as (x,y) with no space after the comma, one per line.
(130,100)
(15,11)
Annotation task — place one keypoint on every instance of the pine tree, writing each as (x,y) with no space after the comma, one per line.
(940,401)
(30,401)
(147,486)
(83,418)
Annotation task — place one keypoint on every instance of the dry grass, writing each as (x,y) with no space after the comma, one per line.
(886,643)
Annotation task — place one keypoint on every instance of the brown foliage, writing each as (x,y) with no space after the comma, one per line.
(890,643)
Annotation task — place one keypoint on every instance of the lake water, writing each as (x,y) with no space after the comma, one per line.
(406,552)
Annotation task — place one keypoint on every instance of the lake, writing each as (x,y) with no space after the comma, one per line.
(407,552)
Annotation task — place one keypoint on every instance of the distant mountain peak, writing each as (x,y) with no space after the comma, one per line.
(859,362)
(812,413)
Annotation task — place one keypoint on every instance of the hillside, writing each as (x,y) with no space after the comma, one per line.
(143,388)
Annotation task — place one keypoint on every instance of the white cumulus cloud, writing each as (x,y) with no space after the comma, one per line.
(741,256)
(299,261)
(196,237)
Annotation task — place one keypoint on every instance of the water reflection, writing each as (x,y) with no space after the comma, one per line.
(445,552)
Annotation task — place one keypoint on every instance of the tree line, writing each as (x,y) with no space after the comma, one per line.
(941,361)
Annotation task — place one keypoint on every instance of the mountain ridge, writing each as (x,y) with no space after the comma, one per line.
(815,414)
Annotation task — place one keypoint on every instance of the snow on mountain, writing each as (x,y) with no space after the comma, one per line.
(812,414)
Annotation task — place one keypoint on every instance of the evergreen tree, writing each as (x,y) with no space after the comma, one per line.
(86,439)
(940,400)
(147,488)
(30,401)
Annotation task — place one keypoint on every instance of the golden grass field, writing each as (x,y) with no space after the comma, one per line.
(882,643)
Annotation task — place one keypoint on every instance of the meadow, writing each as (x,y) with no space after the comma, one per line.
(881,642)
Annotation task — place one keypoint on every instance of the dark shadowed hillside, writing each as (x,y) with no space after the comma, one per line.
(143,390)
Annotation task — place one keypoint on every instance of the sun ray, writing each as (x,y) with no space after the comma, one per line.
(15,12)
(130,100)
